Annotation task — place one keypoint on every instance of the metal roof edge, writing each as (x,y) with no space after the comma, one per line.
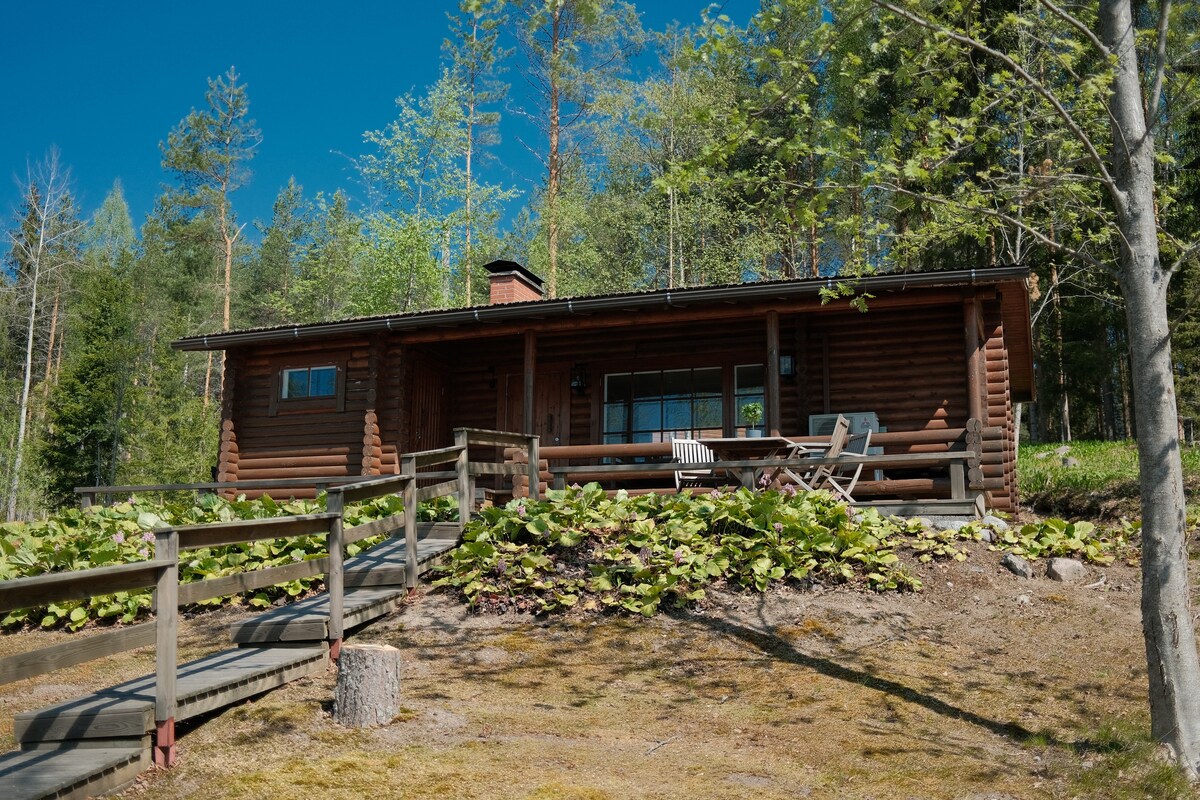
(666,298)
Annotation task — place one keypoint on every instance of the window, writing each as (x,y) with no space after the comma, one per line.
(308,382)
(298,387)
(748,382)
(657,406)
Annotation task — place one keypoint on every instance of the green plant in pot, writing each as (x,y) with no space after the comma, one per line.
(753,414)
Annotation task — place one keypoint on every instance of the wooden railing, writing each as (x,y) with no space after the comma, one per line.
(162,572)
(960,451)
(88,495)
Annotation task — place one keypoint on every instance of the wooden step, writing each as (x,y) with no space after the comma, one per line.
(308,620)
(923,508)
(73,769)
(209,683)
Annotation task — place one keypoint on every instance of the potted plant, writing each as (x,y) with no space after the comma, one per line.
(753,414)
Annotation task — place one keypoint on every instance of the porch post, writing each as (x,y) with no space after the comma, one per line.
(975,355)
(772,387)
(530,369)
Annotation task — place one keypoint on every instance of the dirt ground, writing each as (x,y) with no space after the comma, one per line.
(982,687)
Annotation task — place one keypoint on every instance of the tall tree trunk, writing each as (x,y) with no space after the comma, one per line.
(554,165)
(470,152)
(1171,658)
(50,345)
(1064,400)
(14,483)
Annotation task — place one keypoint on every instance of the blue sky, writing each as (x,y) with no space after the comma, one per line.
(106,81)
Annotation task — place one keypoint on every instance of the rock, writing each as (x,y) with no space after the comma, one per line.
(1070,462)
(1017,565)
(987,535)
(995,523)
(1046,454)
(1062,451)
(1067,570)
(1024,600)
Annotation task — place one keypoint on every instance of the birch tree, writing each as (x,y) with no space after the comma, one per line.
(43,246)
(1130,57)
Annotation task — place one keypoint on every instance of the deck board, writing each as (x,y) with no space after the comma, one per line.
(208,683)
(70,772)
(308,620)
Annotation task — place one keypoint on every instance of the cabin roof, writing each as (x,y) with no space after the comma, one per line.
(626,301)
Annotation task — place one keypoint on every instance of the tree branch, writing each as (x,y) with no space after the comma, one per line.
(1065,115)
(1000,215)
(1078,25)
(1160,63)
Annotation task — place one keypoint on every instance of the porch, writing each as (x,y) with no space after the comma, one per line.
(918,473)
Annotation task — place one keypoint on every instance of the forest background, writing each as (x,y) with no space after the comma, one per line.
(821,139)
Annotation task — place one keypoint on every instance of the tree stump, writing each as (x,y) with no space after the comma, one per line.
(368,685)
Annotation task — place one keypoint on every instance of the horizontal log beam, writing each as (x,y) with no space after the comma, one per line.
(57,587)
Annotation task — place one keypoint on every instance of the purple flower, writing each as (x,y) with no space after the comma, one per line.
(144,553)
(714,494)
(147,537)
(765,480)
(778,526)
(678,557)
(790,490)
(521,510)
(119,537)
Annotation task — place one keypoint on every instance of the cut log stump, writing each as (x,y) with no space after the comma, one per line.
(368,685)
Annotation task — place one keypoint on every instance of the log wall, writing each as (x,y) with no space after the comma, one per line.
(303,441)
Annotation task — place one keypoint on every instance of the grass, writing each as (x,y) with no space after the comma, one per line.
(1104,483)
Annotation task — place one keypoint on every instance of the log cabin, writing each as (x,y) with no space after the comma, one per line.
(931,357)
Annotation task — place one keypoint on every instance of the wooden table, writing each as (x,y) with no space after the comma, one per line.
(758,448)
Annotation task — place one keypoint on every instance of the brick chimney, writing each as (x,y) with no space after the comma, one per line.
(512,283)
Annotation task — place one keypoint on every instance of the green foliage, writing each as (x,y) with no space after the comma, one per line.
(578,548)
(1055,537)
(77,539)
(639,554)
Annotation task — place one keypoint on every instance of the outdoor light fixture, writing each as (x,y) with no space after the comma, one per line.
(579,379)
(787,366)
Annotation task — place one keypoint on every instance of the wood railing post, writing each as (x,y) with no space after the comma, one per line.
(535,469)
(466,492)
(958,481)
(86,499)
(408,466)
(166,609)
(335,580)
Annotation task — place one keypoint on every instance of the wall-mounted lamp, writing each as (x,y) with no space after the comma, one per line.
(579,379)
(787,366)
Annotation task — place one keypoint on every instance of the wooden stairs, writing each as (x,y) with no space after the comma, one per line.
(99,743)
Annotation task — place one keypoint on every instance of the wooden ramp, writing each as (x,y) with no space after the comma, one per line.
(99,743)
(72,770)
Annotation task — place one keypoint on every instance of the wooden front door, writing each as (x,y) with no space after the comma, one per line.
(552,406)
(428,422)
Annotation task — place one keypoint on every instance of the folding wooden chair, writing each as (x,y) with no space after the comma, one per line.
(691,451)
(817,476)
(844,477)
